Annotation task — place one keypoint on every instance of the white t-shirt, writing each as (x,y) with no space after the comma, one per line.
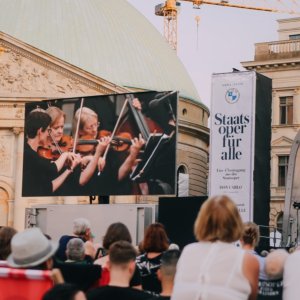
(211,271)
(291,276)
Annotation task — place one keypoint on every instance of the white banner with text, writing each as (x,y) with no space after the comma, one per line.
(232,139)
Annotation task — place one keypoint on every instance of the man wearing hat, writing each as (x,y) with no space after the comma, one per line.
(30,249)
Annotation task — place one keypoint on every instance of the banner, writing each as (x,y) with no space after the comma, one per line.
(121,144)
(232,125)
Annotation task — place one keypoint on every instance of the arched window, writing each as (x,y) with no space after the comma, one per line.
(279,221)
(182,181)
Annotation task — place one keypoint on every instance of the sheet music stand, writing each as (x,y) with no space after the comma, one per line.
(154,144)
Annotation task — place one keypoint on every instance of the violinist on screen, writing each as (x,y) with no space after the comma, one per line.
(110,169)
(40,175)
(60,143)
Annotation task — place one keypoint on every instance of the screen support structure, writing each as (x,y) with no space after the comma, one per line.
(291,222)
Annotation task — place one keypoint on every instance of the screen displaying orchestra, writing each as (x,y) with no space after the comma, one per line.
(121,144)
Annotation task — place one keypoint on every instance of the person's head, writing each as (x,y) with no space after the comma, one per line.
(82,227)
(155,239)
(274,263)
(65,291)
(122,257)
(75,249)
(167,268)
(57,122)
(250,235)
(32,250)
(6,234)
(37,124)
(88,124)
(218,220)
(116,232)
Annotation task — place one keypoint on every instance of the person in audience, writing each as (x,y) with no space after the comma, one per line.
(291,275)
(82,230)
(76,252)
(121,266)
(272,287)
(64,291)
(30,249)
(6,234)
(214,268)
(154,244)
(166,273)
(249,241)
(116,232)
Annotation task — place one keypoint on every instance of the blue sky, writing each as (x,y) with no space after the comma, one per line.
(226,36)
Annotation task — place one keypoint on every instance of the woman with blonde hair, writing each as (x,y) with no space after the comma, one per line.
(86,166)
(214,268)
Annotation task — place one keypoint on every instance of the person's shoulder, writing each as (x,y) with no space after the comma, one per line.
(113,292)
(141,257)
(190,248)
(65,238)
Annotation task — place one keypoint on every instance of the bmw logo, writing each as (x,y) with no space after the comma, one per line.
(232,95)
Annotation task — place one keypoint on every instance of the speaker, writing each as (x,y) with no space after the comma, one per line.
(178,215)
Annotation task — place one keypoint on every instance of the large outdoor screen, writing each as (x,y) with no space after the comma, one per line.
(121,144)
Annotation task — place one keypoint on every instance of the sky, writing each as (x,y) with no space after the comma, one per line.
(224,38)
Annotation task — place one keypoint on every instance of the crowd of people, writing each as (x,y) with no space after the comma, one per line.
(215,267)
(56,163)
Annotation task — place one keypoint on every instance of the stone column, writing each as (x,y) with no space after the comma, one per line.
(275,108)
(296,107)
(10,217)
(19,205)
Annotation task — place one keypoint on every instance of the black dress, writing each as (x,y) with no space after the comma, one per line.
(38,173)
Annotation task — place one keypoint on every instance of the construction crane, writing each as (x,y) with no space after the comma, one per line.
(169,10)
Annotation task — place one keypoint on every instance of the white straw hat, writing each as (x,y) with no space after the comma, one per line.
(30,248)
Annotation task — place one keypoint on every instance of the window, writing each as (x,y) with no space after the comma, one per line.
(182,181)
(286,110)
(294,36)
(283,162)
(279,222)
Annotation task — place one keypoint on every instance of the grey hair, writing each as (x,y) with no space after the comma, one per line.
(80,226)
(274,263)
(75,249)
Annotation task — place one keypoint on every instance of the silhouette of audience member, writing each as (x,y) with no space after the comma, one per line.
(65,291)
(214,268)
(76,252)
(291,275)
(82,230)
(249,241)
(154,244)
(166,273)
(6,234)
(30,249)
(121,266)
(272,288)
(115,232)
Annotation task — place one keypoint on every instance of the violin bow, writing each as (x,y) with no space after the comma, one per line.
(115,129)
(77,126)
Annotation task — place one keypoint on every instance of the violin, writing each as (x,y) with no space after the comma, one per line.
(120,142)
(85,145)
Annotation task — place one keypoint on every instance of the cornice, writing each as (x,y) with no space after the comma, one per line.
(50,62)
(272,65)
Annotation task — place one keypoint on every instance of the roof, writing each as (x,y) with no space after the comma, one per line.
(109,39)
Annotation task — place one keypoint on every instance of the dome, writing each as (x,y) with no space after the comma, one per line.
(109,39)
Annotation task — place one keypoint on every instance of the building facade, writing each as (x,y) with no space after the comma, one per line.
(280,61)
(35,66)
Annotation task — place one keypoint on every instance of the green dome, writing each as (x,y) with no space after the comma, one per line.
(108,38)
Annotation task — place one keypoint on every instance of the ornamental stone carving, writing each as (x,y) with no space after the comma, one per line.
(6,149)
(21,76)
